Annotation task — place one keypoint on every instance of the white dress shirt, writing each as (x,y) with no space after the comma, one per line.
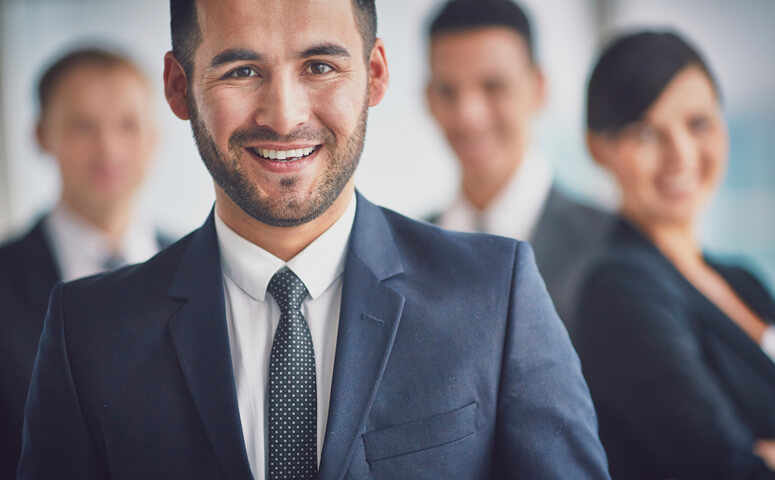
(768,342)
(514,212)
(252,316)
(81,249)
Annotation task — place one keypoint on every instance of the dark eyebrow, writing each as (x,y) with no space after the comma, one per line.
(326,50)
(234,55)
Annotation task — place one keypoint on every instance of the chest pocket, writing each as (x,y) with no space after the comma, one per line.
(422,434)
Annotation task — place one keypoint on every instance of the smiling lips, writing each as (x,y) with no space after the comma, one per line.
(283,155)
(679,185)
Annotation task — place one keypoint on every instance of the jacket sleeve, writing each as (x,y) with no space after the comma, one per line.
(648,375)
(56,441)
(547,426)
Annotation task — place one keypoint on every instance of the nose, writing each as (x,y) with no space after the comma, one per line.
(283,105)
(469,111)
(680,151)
(109,144)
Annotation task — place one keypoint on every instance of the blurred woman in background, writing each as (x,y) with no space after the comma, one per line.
(677,348)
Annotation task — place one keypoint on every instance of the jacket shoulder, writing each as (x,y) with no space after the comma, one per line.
(451,255)
(581,217)
(128,288)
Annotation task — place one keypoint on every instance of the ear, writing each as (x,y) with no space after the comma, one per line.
(541,87)
(600,148)
(40,135)
(175,86)
(430,99)
(378,73)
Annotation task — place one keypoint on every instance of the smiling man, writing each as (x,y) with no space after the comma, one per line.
(303,332)
(485,90)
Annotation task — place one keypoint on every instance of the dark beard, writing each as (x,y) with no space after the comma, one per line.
(229,175)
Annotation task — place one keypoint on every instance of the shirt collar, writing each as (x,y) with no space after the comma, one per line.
(81,248)
(514,212)
(318,265)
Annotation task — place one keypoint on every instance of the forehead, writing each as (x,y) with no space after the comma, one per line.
(481,50)
(274,26)
(690,91)
(100,87)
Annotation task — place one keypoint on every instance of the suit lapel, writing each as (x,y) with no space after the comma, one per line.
(544,234)
(369,318)
(200,336)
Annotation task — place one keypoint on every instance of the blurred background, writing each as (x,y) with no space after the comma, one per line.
(406,164)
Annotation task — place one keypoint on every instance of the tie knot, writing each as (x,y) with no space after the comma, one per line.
(113,261)
(288,290)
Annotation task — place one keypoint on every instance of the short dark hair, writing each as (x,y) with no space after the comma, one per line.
(186,34)
(79,58)
(462,15)
(632,72)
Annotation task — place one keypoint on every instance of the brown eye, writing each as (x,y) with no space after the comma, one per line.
(699,124)
(319,68)
(243,72)
(493,87)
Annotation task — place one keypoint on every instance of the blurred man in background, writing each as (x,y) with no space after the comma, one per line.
(96,122)
(485,90)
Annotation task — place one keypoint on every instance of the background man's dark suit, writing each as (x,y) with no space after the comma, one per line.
(27,274)
(28,271)
(450,363)
(566,238)
(680,390)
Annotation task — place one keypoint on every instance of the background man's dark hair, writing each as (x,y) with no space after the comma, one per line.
(631,74)
(186,35)
(461,15)
(81,57)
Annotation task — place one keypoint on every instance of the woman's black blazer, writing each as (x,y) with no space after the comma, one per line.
(680,390)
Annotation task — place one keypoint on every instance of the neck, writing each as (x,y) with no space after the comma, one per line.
(111,220)
(481,189)
(677,241)
(282,242)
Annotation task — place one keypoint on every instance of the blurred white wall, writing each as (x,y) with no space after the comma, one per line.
(406,164)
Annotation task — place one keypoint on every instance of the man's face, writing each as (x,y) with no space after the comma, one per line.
(98,126)
(483,92)
(278,101)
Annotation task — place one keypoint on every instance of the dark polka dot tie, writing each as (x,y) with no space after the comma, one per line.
(293,413)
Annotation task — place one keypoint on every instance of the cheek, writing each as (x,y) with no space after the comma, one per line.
(338,108)
(223,112)
(635,166)
(75,151)
(714,154)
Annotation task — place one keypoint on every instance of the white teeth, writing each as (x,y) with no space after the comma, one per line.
(284,154)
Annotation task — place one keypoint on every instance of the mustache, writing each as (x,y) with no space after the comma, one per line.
(264,134)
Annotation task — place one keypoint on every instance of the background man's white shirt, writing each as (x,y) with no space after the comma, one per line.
(515,210)
(252,317)
(80,249)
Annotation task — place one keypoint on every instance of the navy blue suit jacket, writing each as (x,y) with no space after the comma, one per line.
(680,390)
(450,363)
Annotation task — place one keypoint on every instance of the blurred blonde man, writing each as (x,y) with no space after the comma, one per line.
(96,122)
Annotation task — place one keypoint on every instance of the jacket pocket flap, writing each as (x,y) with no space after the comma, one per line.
(421,434)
